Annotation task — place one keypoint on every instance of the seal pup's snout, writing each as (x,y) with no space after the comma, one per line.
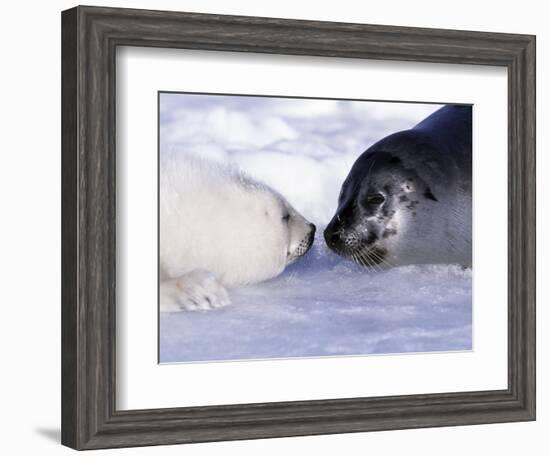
(307,242)
(304,245)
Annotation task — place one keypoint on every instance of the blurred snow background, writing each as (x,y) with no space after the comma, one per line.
(323,304)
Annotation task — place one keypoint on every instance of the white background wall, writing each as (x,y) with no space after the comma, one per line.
(30,228)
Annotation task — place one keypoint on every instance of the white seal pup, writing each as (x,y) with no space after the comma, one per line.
(408,198)
(219,228)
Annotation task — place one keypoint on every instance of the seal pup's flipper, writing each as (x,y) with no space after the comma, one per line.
(196,290)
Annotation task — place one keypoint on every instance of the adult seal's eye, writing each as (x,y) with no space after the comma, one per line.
(375,199)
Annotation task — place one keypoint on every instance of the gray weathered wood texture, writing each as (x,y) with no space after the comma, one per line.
(89,38)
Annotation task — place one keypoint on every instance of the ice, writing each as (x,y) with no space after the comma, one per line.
(322,305)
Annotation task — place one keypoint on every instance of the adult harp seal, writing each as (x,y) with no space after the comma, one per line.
(408,198)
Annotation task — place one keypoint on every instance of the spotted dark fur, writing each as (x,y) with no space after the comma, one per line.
(429,195)
(412,205)
(372,238)
(389,232)
(394,160)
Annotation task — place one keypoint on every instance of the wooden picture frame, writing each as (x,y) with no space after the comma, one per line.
(90,36)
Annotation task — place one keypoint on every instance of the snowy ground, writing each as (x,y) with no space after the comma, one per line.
(323,304)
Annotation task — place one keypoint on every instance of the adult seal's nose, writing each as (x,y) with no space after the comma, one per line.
(331,237)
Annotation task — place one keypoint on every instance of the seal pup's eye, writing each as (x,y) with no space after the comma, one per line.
(375,198)
(286,217)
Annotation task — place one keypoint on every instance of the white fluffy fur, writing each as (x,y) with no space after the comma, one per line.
(219,228)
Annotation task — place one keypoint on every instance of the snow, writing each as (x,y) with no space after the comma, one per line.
(323,305)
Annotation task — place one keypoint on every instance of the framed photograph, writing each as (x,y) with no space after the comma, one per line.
(279,228)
